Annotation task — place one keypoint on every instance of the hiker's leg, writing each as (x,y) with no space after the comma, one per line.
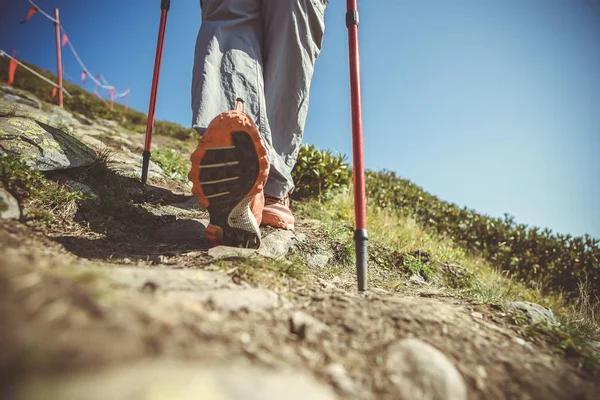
(293,33)
(228,63)
(229,167)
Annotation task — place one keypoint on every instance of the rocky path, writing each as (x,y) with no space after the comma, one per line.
(157,315)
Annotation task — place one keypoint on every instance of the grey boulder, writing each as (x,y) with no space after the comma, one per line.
(42,146)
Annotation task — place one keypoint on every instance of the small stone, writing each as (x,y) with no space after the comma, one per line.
(182,231)
(477,315)
(149,287)
(221,252)
(420,371)
(93,142)
(337,373)
(245,299)
(318,260)
(519,340)
(108,123)
(481,377)
(9,206)
(245,338)
(417,280)
(307,327)
(278,244)
(535,312)
(75,186)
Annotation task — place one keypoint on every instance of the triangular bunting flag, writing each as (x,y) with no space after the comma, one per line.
(64,39)
(83,76)
(32,11)
(12,67)
(53,92)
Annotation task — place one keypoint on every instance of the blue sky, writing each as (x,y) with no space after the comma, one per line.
(490,104)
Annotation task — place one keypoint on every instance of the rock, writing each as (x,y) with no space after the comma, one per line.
(168,280)
(181,381)
(337,373)
(278,243)
(246,299)
(319,260)
(420,371)
(190,205)
(93,142)
(182,231)
(9,206)
(533,311)
(15,96)
(125,141)
(108,123)
(130,163)
(41,146)
(477,315)
(221,252)
(83,119)
(308,328)
(417,279)
(77,187)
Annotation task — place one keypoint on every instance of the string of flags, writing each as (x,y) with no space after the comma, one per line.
(98,80)
(12,67)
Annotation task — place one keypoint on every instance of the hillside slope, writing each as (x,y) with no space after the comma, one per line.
(107,289)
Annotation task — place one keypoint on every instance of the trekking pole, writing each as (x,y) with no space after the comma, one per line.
(164,7)
(360,210)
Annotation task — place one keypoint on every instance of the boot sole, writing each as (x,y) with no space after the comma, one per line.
(229,168)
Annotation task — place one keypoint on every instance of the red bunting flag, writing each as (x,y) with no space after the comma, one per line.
(12,67)
(83,76)
(32,11)
(53,92)
(64,39)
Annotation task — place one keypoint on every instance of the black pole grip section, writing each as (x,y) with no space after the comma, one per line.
(360,241)
(165,4)
(352,18)
(145,165)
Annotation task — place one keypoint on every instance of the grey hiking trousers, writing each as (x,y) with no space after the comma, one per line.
(263,51)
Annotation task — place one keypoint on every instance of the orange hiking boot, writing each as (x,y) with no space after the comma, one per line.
(277,213)
(229,170)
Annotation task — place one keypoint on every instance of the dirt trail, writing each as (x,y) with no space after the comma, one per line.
(125,311)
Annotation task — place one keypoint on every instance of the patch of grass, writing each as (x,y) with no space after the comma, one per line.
(172,163)
(43,200)
(265,271)
(566,344)
(417,266)
(399,247)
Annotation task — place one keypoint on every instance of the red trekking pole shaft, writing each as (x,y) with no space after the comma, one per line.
(59,69)
(360,209)
(164,7)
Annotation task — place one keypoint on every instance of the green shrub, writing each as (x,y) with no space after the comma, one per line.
(559,262)
(173,164)
(319,172)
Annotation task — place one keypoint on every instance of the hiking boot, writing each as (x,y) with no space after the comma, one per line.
(229,170)
(277,213)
